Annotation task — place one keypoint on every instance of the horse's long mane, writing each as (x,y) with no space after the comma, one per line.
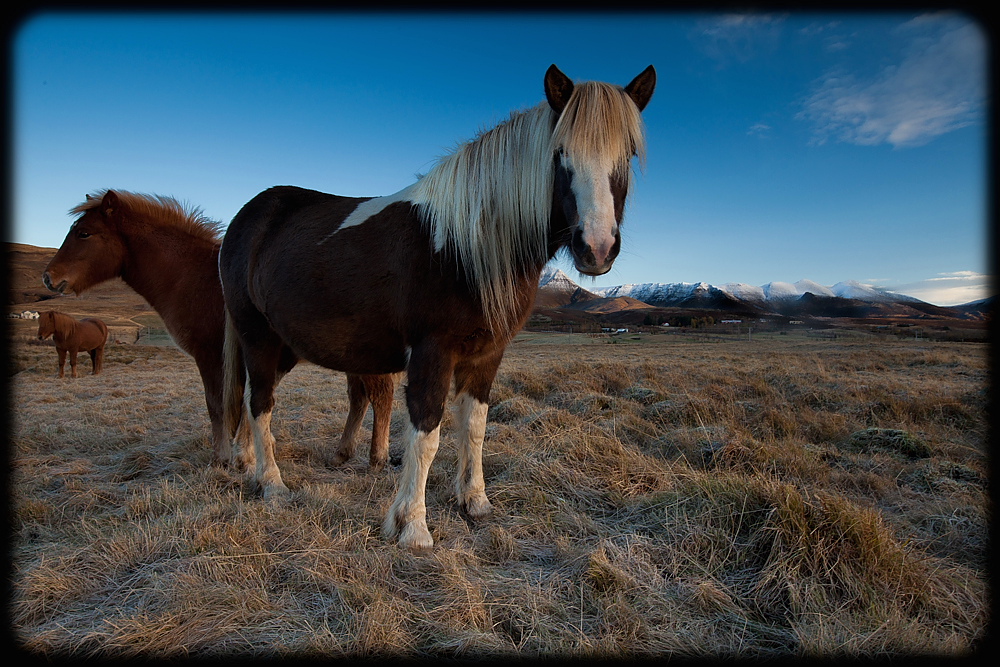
(160,211)
(488,203)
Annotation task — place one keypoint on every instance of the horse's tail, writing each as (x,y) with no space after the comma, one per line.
(233,379)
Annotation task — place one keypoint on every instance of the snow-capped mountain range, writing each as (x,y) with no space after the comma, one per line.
(774,291)
(847,298)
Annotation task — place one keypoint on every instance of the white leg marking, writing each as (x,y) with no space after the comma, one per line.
(267,475)
(470,489)
(407,516)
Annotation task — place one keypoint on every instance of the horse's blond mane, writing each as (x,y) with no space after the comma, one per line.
(160,211)
(488,202)
(600,123)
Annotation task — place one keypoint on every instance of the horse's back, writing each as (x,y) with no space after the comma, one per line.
(333,295)
(94,332)
(269,220)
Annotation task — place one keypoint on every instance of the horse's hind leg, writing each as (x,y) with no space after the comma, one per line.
(380,389)
(265,363)
(97,360)
(357,395)
(472,387)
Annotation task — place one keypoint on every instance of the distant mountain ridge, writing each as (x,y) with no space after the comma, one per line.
(848,298)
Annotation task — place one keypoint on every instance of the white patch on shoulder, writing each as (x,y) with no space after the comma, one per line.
(367,209)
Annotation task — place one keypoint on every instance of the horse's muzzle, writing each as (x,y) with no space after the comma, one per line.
(47,281)
(593,271)
(587,262)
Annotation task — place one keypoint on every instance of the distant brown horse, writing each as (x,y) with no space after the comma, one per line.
(435,279)
(73,336)
(169,255)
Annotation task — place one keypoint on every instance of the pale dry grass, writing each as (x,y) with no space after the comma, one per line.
(676,499)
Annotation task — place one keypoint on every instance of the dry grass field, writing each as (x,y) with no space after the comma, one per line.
(776,497)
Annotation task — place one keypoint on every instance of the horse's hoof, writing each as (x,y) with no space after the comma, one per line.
(376,465)
(339,458)
(416,537)
(477,507)
(276,493)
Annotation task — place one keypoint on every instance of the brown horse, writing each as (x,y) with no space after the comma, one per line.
(435,279)
(169,255)
(73,336)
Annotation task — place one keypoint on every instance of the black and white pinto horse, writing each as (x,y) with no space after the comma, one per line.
(434,280)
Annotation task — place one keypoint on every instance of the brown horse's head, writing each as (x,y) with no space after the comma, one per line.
(93,250)
(46,324)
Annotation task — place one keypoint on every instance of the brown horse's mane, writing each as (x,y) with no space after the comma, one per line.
(160,211)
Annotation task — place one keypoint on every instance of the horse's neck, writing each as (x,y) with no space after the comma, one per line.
(155,265)
(63,328)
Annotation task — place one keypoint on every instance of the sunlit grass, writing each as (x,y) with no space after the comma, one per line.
(764,498)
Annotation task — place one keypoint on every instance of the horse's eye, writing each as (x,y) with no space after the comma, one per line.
(83,235)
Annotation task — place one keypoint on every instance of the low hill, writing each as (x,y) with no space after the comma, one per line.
(114,302)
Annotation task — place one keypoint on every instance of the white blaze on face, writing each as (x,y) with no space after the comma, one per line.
(595,206)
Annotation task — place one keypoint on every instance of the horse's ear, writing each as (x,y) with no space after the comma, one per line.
(88,198)
(558,88)
(641,87)
(110,203)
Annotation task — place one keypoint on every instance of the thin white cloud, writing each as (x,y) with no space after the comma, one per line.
(950,289)
(936,86)
(829,34)
(959,275)
(739,37)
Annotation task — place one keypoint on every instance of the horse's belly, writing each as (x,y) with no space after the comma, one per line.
(348,346)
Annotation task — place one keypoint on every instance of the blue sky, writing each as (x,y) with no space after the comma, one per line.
(781,146)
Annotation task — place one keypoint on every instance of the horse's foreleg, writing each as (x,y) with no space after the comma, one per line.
(407,517)
(210,369)
(62,362)
(72,362)
(470,488)
(222,449)
(429,374)
(357,396)
(472,384)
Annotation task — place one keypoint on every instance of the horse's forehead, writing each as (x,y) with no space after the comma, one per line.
(83,215)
